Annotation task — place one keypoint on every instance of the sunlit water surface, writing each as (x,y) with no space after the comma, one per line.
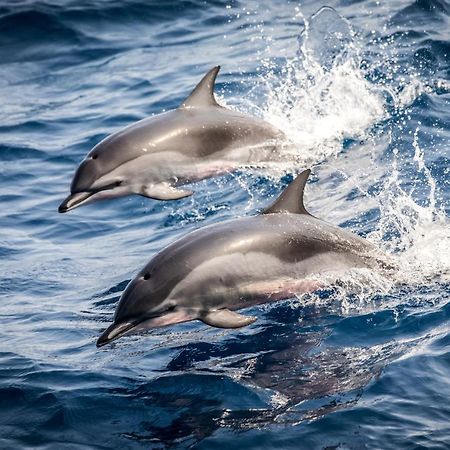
(363,92)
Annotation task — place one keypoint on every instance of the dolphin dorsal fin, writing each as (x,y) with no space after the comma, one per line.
(203,93)
(291,199)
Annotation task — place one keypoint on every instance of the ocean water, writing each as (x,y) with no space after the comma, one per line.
(363,89)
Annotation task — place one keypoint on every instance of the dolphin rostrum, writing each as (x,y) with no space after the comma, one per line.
(157,155)
(213,271)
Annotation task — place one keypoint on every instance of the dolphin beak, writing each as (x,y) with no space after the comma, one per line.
(113,332)
(117,330)
(74,200)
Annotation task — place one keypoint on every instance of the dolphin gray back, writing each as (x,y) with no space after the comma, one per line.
(199,128)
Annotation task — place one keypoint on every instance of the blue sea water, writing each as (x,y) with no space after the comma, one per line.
(364,91)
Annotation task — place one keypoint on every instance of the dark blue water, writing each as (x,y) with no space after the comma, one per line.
(364,365)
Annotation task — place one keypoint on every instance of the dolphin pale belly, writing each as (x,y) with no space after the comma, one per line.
(157,155)
(210,273)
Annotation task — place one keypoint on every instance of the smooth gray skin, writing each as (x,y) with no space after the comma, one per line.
(155,156)
(209,273)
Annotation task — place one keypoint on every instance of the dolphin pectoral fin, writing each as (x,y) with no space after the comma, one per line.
(164,191)
(224,318)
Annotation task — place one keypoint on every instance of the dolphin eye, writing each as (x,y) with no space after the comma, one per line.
(146,276)
(94,156)
(118,183)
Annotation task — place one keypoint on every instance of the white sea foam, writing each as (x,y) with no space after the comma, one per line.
(419,235)
(416,235)
(322,96)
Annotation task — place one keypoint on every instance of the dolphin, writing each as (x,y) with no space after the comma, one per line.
(211,272)
(157,155)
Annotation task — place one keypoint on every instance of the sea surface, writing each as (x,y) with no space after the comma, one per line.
(363,89)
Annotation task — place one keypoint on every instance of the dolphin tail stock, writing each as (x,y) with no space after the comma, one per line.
(224,318)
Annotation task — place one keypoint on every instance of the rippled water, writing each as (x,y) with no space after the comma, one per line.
(366,99)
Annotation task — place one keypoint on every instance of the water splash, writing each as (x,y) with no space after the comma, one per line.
(419,235)
(327,93)
(415,235)
(335,90)
(322,95)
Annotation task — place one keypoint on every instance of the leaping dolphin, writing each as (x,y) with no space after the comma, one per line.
(211,272)
(157,155)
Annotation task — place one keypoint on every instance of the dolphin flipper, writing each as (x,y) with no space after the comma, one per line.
(224,318)
(164,191)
